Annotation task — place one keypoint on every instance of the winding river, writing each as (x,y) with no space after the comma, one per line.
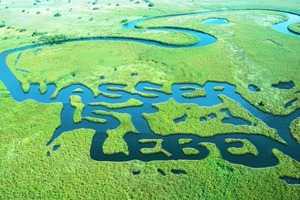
(263,144)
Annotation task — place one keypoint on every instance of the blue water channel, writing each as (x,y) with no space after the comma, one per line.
(215,21)
(170,144)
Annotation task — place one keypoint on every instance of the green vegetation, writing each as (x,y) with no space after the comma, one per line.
(78,90)
(234,52)
(54,38)
(295,28)
(130,103)
(36,33)
(158,148)
(2,24)
(190,151)
(123,56)
(75,102)
(95,120)
(197,93)
(151,4)
(295,129)
(161,123)
(184,141)
(72,163)
(247,66)
(219,88)
(57,15)
(22,30)
(124,21)
(115,142)
(247,147)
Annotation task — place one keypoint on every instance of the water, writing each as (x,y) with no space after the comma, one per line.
(215,21)
(284,85)
(55,147)
(290,103)
(234,120)
(178,171)
(253,88)
(161,172)
(283,27)
(22,70)
(113,93)
(180,119)
(290,180)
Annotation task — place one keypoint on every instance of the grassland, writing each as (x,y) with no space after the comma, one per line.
(234,53)
(70,173)
(162,122)
(130,103)
(184,141)
(197,93)
(295,28)
(244,64)
(247,147)
(190,151)
(75,101)
(115,142)
(295,129)
(158,148)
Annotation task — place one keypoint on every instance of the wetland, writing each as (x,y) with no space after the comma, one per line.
(188,100)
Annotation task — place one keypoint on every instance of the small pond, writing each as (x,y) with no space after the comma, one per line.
(215,21)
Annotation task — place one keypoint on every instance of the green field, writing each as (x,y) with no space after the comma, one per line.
(295,28)
(248,52)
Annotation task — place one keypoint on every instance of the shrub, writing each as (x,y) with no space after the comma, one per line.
(151,4)
(124,21)
(36,33)
(22,30)
(57,15)
(54,38)
(2,24)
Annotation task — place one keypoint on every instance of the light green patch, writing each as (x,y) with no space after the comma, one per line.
(78,90)
(115,142)
(295,129)
(184,141)
(295,28)
(247,147)
(234,52)
(26,152)
(75,102)
(158,148)
(197,93)
(95,120)
(190,151)
(162,122)
(218,88)
(130,103)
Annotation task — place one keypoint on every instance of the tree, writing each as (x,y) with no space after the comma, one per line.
(2,24)
(151,4)
(57,15)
